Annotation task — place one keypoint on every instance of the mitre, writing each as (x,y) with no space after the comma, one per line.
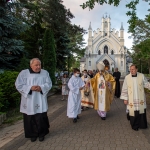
(100,66)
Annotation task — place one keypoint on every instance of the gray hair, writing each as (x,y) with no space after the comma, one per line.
(32,60)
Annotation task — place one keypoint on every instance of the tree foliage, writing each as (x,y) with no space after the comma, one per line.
(49,54)
(91,3)
(11,27)
(52,15)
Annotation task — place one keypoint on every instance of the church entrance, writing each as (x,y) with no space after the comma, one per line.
(106,62)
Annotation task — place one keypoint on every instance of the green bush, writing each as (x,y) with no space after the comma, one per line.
(9,96)
(2,100)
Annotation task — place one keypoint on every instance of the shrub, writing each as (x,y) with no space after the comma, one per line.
(9,96)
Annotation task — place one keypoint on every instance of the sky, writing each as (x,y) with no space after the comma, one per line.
(117,15)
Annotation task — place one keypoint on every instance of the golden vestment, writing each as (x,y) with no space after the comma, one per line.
(87,101)
(109,94)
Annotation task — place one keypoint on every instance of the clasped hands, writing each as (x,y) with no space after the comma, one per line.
(36,88)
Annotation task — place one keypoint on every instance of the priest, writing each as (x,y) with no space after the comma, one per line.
(75,85)
(87,96)
(34,84)
(134,97)
(103,85)
(117,75)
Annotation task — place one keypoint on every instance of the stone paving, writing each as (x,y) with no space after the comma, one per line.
(89,133)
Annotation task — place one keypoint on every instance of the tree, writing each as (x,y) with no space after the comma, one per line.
(11,48)
(142,52)
(49,54)
(33,36)
(91,3)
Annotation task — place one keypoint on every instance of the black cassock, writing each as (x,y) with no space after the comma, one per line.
(117,77)
(36,125)
(138,120)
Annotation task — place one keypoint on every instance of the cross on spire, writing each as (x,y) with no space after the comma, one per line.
(106,14)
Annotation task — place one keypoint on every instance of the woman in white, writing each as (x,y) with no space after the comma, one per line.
(65,89)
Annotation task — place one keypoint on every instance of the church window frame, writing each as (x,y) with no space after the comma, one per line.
(105,49)
(99,52)
(89,63)
(112,52)
(106,24)
(121,63)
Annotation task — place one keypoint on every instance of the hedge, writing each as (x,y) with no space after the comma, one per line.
(9,96)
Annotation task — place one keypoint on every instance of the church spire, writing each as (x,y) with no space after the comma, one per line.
(90,28)
(121,26)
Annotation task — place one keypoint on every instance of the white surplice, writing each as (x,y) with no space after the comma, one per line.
(36,102)
(74,98)
(136,100)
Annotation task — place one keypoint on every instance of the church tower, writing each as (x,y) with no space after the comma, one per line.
(106,26)
(90,39)
(122,35)
(90,35)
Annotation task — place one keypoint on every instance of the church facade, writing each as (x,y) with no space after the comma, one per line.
(106,45)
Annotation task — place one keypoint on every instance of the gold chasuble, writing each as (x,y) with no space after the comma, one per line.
(108,84)
(87,94)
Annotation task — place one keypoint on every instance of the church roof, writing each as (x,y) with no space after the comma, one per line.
(105,56)
(83,59)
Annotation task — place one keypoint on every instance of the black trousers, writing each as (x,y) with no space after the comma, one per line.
(117,90)
(138,120)
(36,125)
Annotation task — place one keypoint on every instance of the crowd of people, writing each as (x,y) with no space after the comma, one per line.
(89,89)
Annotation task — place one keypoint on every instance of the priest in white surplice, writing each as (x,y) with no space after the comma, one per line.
(34,84)
(134,97)
(75,85)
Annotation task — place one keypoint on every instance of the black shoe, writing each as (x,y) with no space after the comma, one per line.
(82,108)
(33,139)
(41,139)
(136,129)
(78,117)
(74,120)
(103,118)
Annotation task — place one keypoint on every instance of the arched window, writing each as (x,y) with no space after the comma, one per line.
(99,52)
(105,49)
(89,63)
(112,52)
(106,24)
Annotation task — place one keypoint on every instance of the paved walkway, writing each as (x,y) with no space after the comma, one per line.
(89,133)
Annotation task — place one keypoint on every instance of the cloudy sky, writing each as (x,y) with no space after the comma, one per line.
(117,15)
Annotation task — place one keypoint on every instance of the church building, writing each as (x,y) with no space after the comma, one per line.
(106,45)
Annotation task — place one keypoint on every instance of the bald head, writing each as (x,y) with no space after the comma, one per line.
(35,64)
